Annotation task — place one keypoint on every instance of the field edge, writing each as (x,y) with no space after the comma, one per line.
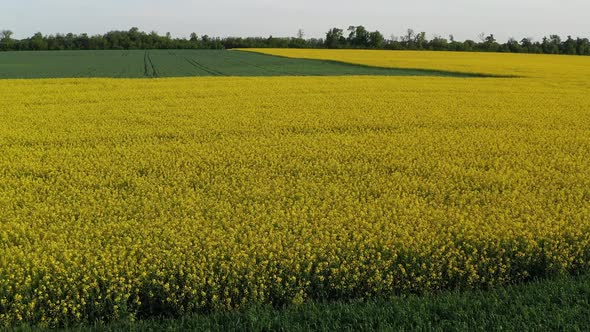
(561,303)
(426,71)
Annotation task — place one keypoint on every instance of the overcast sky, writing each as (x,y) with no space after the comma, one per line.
(465,19)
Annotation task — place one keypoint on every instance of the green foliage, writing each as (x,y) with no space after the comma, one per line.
(358,37)
(335,38)
(548,305)
(376,39)
(5,40)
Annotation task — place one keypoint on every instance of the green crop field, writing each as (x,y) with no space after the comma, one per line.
(181,63)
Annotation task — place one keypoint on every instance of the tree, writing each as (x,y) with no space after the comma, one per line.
(408,39)
(300,34)
(583,46)
(526,44)
(298,41)
(351,34)
(513,46)
(469,45)
(569,46)
(81,42)
(6,35)
(358,36)
(38,43)
(482,37)
(454,45)
(551,45)
(438,43)
(135,38)
(490,44)
(420,40)
(6,40)
(334,38)
(376,39)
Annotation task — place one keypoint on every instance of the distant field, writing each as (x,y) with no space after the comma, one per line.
(182,63)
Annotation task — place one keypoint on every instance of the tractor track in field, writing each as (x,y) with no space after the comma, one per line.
(204,68)
(146,71)
(149,64)
(154,71)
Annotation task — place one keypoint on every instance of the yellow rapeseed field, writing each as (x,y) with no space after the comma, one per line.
(550,68)
(128,198)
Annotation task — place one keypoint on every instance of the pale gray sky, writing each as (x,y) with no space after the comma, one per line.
(465,19)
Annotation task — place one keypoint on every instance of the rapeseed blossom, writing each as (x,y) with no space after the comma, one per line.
(127,198)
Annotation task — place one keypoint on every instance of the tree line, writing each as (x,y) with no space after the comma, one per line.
(353,37)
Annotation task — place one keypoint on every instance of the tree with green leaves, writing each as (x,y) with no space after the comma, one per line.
(335,38)
(582,46)
(6,40)
(38,42)
(358,36)
(420,40)
(376,39)
(408,39)
(568,46)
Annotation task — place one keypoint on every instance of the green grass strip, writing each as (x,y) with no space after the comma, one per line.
(561,304)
